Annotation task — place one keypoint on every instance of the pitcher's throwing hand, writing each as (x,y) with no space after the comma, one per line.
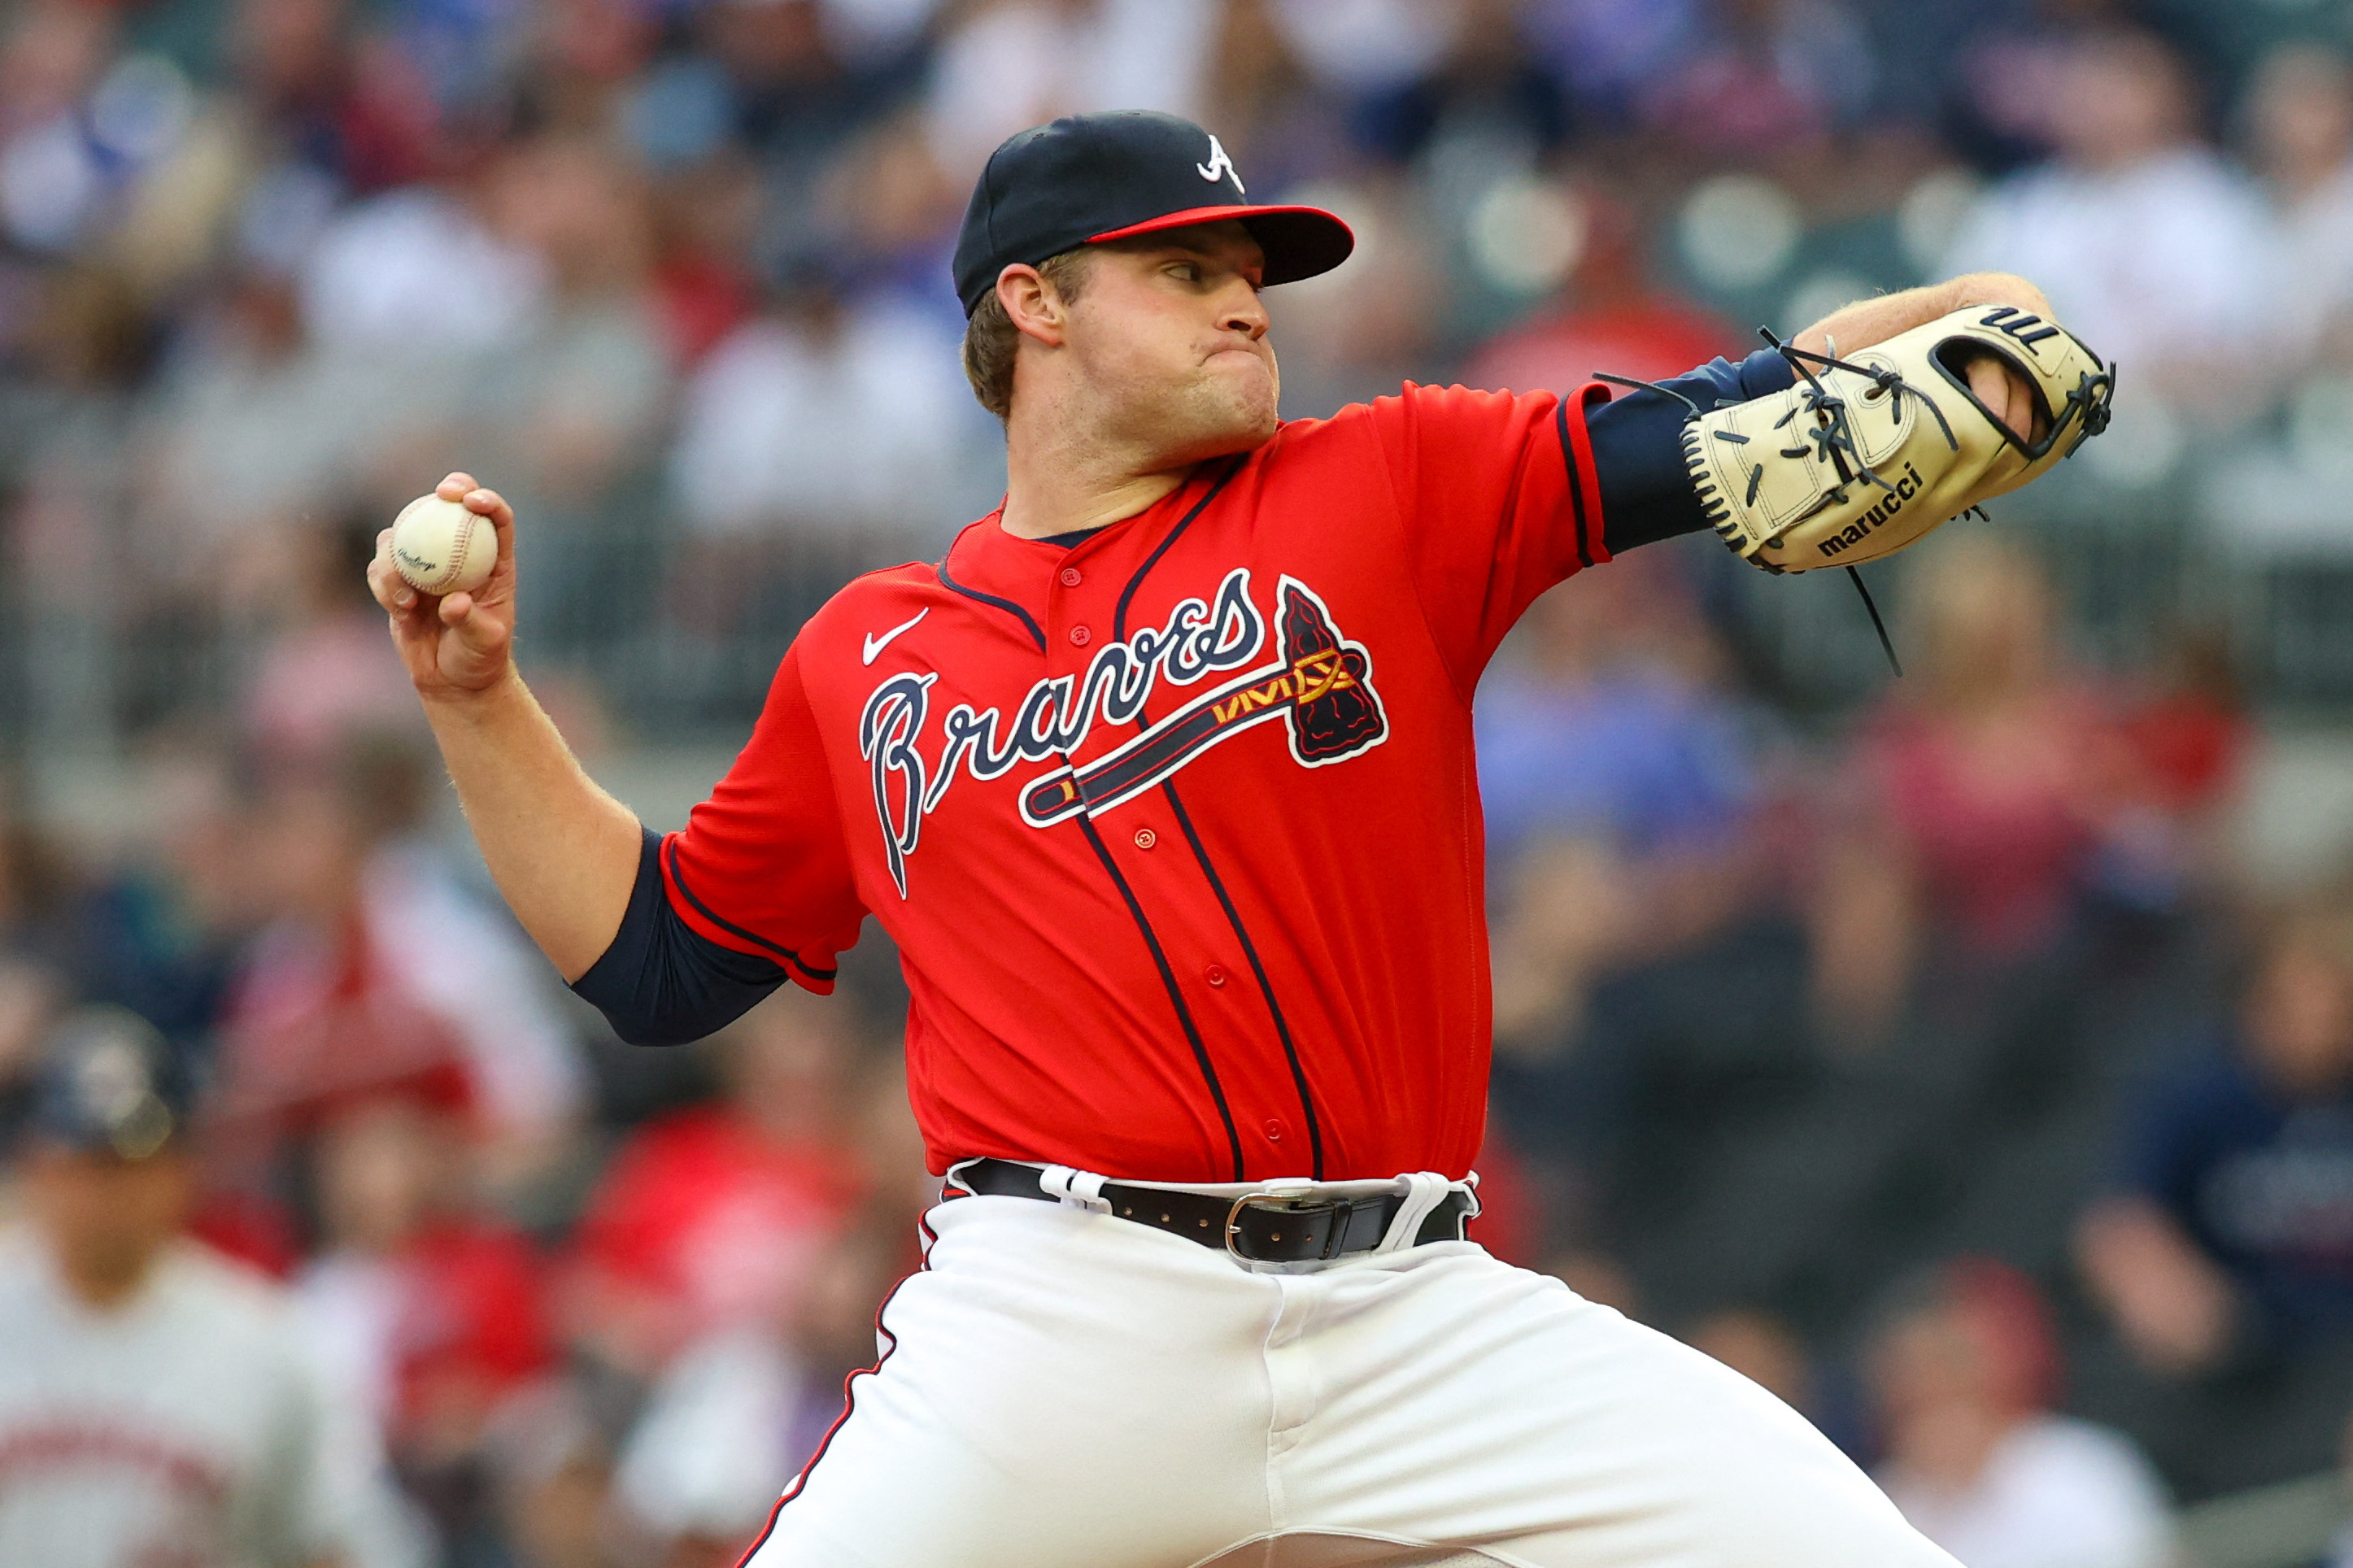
(458,643)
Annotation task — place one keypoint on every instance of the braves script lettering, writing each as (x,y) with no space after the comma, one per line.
(1319,684)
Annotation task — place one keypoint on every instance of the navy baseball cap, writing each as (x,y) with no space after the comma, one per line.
(109,1083)
(1087,178)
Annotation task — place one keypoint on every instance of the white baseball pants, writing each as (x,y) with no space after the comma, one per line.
(1065,1389)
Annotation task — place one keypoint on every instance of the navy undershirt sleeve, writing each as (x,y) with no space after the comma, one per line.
(661,982)
(1637,447)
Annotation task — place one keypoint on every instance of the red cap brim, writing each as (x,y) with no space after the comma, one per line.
(1299,242)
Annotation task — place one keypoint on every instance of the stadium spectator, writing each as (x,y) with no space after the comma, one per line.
(317,98)
(57,182)
(2188,739)
(418,272)
(738,1413)
(1008,64)
(1761,1348)
(1614,315)
(1990,775)
(41,955)
(787,86)
(886,432)
(320,685)
(377,970)
(1765,1348)
(156,926)
(2151,248)
(1965,1369)
(427,1315)
(872,388)
(1764,76)
(571,406)
(1606,753)
(703,282)
(2229,1229)
(714,1217)
(2299,115)
(550,1462)
(1645,985)
(154,1404)
(246,432)
(153,927)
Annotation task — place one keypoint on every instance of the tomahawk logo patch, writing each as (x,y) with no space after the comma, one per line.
(1318,684)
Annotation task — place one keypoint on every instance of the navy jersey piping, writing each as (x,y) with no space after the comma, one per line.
(670,857)
(1201,853)
(1036,634)
(1176,996)
(1265,985)
(1119,615)
(1576,486)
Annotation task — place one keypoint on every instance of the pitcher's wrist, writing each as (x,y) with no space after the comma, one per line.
(443,697)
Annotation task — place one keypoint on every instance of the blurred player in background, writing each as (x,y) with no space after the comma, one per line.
(154,1406)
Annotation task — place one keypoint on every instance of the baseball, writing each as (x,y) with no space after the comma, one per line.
(442,548)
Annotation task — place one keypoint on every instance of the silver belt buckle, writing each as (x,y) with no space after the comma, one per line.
(1279,1202)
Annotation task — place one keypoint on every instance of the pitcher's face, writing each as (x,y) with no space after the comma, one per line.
(1170,337)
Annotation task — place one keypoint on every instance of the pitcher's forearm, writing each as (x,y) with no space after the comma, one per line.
(1875,321)
(563,851)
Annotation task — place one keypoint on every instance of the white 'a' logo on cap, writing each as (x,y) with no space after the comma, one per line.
(1220,166)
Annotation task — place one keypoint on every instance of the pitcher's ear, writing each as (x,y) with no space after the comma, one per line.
(1032,304)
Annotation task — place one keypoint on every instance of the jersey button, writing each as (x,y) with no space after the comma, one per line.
(1072,576)
(1146,838)
(1274,1129)
(1215,975)
(1081,636)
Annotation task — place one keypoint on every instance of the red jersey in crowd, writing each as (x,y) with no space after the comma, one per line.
(471,1328)
(708,1225)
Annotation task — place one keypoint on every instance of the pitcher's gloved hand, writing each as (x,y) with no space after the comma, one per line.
(1869,452)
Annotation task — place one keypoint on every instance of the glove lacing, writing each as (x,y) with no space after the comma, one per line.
(1833,438)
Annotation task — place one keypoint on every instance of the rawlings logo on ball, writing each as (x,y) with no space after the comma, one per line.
(442,546)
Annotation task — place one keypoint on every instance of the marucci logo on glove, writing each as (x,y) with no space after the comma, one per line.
(1860,528)
(1319,684)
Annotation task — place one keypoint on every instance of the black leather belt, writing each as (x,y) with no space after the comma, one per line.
(1258,1229)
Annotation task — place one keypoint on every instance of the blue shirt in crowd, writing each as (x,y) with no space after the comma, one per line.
(2262,1182)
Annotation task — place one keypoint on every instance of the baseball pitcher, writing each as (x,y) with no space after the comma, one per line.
(1161,779)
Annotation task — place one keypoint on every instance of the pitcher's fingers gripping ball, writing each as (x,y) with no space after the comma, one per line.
(1869,453)
(443,547)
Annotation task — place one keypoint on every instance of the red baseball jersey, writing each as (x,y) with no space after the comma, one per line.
(1178,829)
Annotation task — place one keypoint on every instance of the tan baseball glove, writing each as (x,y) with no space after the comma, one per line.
(1869,453)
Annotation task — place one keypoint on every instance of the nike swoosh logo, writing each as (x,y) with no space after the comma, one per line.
(874,644)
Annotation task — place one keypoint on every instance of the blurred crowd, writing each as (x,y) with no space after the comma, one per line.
(266,265)
(1933,1058)
(552,1301)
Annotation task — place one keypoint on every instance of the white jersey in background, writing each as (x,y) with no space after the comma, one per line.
(2056,1492)
(184,1430)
